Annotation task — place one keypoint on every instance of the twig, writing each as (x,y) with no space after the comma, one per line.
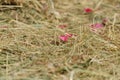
(10,6)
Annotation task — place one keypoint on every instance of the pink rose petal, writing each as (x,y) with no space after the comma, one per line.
(63,38)
(97,26)
(88,10)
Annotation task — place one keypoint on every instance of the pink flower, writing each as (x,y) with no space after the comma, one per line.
(88,10)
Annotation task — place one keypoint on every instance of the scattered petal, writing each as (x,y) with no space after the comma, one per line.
(88,10)
(62,26)
(97,26)
(64,38)
(69,35)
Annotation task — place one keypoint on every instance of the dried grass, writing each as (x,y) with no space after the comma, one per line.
(30,48)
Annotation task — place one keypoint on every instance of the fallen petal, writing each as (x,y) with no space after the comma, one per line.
(88,10)
(63,38)
(97,25)
(69,35)
(62,26)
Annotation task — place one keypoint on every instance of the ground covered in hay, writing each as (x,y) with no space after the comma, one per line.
(60,40)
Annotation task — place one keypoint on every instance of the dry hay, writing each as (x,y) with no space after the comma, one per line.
(31,50)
